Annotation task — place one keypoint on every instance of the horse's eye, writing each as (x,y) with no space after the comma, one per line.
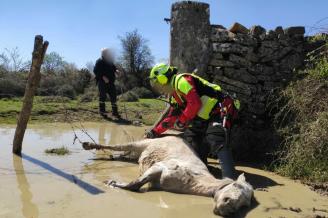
(237,185)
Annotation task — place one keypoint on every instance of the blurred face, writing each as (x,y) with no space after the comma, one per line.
(107,56)
(161,89)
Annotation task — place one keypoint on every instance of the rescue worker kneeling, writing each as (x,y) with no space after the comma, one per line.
(199,107)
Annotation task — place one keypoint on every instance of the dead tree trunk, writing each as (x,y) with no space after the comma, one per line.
(32,84)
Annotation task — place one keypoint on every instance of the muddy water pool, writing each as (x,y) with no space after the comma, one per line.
(42,185)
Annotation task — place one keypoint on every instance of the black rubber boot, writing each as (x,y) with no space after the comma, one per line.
(226,162)
(102,109)
(115,111)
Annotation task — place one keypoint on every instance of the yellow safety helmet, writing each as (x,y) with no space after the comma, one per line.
(158,73)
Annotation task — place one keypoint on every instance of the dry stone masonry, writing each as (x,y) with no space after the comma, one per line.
(249,63)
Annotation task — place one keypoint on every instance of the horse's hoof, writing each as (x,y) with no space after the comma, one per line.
(110,183)
(86,146)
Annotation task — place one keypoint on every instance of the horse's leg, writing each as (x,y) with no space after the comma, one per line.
(136,147)
(152,174)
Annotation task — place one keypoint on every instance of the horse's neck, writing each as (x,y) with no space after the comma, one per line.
(207,185)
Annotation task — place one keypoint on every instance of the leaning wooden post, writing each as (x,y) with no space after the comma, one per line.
(32,84)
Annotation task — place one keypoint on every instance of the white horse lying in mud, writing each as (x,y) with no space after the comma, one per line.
(170,164)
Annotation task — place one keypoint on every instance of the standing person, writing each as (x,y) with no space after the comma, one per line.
(199,107)
(105,72)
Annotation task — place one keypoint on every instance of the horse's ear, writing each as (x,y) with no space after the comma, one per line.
(241,178)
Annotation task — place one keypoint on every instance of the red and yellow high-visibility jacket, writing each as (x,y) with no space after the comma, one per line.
(196,96)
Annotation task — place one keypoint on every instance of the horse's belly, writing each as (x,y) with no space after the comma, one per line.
(176,180)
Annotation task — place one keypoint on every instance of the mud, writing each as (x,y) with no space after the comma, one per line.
(41,185)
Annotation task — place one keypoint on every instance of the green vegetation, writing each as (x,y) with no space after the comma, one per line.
(146,110)
(136,93)
(320,71)
(67,93)
(58,151)
(303,123)
(61,78)
(318,37)
(61,109)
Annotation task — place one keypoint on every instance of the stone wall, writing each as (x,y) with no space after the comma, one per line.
(251,63)
(248,63)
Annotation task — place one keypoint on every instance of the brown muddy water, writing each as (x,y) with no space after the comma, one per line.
(41,185)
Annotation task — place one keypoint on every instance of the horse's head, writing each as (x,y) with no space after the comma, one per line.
(232,197)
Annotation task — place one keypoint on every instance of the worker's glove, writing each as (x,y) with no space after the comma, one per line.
(150,134)
(178,125)
(176,110)
(166,125)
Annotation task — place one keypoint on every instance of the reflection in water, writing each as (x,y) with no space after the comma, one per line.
(84,185)
(110,136)
(101,134)
(29,209)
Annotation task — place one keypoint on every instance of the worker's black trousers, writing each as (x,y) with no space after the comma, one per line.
(104,89)
(206,136)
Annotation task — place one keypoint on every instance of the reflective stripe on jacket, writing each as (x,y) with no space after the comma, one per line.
(209,93)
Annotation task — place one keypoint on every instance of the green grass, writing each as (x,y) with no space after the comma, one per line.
(58,151)
(57,110)
(145,110)
(302,121)
(320,71)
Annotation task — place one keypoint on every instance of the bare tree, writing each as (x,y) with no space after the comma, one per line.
(16,59)
(4,61)
(11,60)
(136,56)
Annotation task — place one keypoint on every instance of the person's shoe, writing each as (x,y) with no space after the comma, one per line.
(117,115)
(103,113)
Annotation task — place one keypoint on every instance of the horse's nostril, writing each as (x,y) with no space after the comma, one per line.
(216,211)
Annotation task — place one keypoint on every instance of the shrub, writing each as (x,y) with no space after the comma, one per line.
(58,78)
(142,92)
(305,155)
(87,97)
(67,91)
(12,84)
(129,96)
(56,83)
(303,123)
(90,94)
(320,70)
(136,93)
(81,79)
(50,84)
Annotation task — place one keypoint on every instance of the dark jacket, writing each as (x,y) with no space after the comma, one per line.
(103,68)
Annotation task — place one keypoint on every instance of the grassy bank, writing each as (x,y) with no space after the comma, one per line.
(58,109)
(302,120)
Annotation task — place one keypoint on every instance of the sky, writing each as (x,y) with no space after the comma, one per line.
(78,29)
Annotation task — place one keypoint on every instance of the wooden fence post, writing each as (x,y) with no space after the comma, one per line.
(32,84)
